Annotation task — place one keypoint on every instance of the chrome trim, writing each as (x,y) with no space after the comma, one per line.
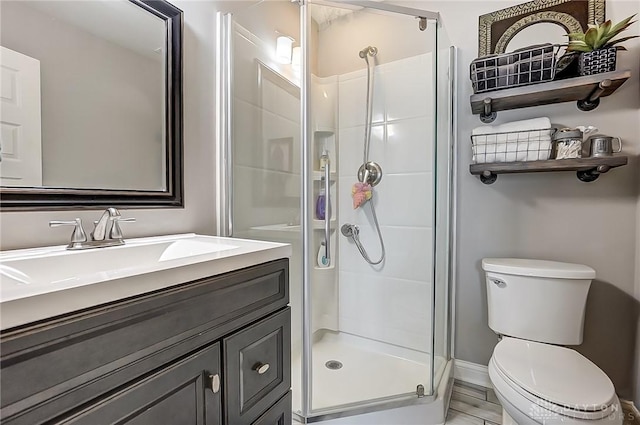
(454,200)
(389,8)
(224,130)
(307,255)
(221,130)
(327,212)
(228,122)
(378,405)
(434,216)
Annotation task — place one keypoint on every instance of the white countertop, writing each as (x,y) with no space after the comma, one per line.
(26,298)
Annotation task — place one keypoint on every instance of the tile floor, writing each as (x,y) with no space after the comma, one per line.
(473,405)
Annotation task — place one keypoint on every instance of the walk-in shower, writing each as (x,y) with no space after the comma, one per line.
(369,222)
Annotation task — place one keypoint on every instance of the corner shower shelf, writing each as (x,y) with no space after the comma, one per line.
(318,175)
(588,169)
(319,224)
(586,90)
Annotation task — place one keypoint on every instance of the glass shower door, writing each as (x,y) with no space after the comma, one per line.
(259,114)
(370,326)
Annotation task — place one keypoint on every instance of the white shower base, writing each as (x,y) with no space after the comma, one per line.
(371,370)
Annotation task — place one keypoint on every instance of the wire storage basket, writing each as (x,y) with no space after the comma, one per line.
(512,146)
(536,64)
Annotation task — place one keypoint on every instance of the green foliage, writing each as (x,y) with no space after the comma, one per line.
(600,36)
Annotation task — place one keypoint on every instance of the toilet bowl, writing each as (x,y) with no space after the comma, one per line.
(539,383)
(536,307)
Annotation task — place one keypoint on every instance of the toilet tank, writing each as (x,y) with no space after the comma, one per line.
(537,300)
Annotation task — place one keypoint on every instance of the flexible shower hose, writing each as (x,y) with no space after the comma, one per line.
(367,142)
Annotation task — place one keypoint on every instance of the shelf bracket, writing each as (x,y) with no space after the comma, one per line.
(487,115)
(487,177)
(593,100)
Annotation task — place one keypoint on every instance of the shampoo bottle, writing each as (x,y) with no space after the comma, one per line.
(321,205)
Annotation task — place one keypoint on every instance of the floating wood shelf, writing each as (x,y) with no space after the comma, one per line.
(586,90)
(588,169)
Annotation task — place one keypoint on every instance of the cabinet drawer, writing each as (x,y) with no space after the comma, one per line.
(279,414)
(180,393)
(81,356)
(257,367)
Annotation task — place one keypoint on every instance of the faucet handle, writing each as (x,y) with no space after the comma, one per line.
(78,236)
(116,232)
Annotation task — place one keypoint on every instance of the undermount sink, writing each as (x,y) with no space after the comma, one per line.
(57,275)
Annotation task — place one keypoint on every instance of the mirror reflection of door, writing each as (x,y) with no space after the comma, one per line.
(101,89)
(20,137)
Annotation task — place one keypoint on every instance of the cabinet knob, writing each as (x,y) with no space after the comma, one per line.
(261,368)
(214,381)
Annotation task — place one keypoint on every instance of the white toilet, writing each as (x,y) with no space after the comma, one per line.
(538,306)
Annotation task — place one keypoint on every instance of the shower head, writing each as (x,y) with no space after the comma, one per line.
(369,50)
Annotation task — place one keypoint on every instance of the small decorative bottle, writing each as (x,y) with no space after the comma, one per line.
(324,160)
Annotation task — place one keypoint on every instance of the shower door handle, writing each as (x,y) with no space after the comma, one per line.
(327,211)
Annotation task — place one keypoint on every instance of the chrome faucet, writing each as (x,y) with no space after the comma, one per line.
(107,231)
(107,221)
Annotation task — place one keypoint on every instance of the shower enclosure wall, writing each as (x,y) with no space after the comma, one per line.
(292,124)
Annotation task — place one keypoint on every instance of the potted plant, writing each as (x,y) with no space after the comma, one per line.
(597,47)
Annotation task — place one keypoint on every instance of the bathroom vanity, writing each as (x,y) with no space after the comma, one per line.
(208,350)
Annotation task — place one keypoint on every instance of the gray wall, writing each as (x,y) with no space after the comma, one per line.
(552,216)
(100,101)
(20,229)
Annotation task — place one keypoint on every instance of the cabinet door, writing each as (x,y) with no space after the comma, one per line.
(186,392)
(279,414)
(257,368)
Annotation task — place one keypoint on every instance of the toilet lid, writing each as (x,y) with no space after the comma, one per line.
(556,374)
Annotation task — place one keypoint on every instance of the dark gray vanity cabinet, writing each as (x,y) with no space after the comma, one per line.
(180,393)
(214,351)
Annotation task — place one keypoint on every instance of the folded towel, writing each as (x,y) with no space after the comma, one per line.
(361,193)
(527,140)
(524,125)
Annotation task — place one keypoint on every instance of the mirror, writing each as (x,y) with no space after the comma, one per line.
(91,108)
(496,30)
(549,32)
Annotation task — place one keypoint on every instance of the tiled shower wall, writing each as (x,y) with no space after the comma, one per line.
(391,302)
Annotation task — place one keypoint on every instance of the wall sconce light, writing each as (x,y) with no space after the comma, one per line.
(296,58)
(284,47)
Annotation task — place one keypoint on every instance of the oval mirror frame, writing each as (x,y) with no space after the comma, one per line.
(29,199)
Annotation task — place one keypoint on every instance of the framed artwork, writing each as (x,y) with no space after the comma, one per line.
(496,29)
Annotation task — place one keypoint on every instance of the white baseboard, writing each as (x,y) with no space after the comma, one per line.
(472,373)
